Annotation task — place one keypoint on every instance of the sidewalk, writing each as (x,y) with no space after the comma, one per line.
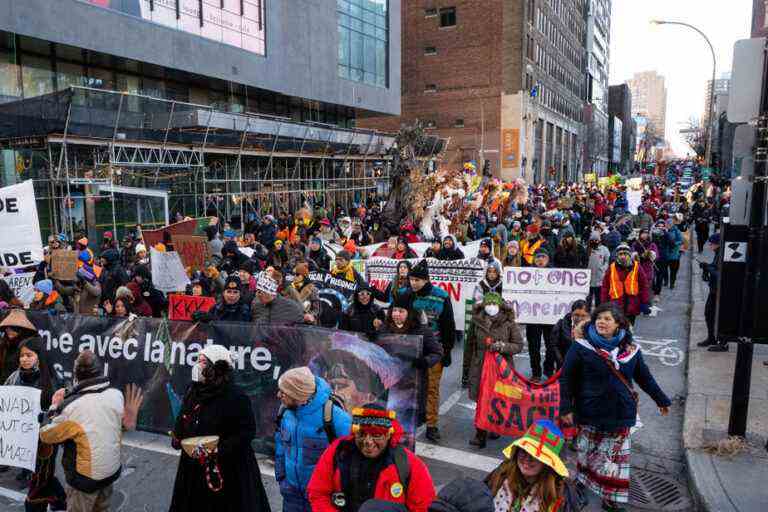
(722,483)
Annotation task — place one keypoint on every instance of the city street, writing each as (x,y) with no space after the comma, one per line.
(658,474)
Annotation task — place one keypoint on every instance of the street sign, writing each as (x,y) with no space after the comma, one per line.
(746,80)
(735,252)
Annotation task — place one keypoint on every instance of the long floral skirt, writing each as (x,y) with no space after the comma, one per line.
(603,462)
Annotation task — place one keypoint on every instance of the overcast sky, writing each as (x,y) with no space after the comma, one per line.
(677,53)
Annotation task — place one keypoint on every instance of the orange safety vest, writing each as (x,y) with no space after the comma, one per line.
(630,286)
(529,250)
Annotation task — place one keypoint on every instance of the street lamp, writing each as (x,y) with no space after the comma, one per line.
(708,155)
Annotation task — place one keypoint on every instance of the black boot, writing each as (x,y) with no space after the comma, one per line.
(705,343)
(479,439)
(433,434)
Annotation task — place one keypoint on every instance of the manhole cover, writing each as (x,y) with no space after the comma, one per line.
(651,491)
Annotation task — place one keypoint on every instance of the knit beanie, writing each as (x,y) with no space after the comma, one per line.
(420,270)
(492,298)
(265,284)
(298,383)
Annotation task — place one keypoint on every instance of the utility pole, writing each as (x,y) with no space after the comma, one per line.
(757,245)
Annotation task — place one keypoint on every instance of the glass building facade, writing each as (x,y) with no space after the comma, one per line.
(363,41)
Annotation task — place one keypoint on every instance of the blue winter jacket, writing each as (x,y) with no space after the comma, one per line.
(300,442)
(675,242)
(596,396)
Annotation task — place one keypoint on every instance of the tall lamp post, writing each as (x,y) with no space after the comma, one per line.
(708,155)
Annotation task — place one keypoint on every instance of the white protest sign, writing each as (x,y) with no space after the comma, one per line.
(543,295)
(458,278)
(19,227)
(634,200)
(22,286)
(168,274)
(19,429)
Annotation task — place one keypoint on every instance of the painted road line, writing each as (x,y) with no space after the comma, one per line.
(13,495)
(457,457)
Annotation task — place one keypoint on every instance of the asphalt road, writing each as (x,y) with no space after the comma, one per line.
(150,464)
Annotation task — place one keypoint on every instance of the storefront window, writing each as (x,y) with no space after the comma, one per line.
(363,40)
(9,75)
(37,76)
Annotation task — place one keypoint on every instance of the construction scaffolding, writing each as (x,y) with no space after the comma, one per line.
(86,149)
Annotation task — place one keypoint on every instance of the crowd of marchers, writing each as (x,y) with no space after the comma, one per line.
(329,458)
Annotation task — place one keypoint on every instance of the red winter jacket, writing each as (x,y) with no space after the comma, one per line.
(629,304)
(326,481)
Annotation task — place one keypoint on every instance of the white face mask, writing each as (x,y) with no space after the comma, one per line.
(492,309)
(197,373)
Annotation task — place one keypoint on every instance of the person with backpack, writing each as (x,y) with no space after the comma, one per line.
(309,419)
(368,464)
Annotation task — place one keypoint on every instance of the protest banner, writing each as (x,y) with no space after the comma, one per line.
(168,274)
(19,227)
(509,403)
(381,250)
(153,237)
(22,286)
(182,307)
(193,250)
(458,278)
(19,428)
(543,295)
(64,264)
(158,356)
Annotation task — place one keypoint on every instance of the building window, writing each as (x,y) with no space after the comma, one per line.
(363,27)
(448,17)
(430,50)
(430,88)
(430,13)
(459,123)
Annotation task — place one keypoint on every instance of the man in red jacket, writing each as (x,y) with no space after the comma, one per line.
(370,464)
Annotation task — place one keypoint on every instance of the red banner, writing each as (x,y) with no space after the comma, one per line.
(509,403)
(192,249)
(181,307)
(153,237)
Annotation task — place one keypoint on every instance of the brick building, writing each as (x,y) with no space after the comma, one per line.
(505,81)
(759,18)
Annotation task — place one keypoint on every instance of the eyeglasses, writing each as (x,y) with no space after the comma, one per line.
(374,437)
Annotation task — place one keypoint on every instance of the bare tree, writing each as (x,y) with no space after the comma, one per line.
(695,136)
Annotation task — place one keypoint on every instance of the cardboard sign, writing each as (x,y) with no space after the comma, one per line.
(509,403)
(193,250)
(182,307)
(22,286)
(19,227)
(153,237)
(64,265)
(544,295)
(19,429)
(168,274)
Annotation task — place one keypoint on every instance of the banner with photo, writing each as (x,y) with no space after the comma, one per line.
(458,278)
(158,356)
(544,295)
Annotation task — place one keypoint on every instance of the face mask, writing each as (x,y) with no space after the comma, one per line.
(197,373)
(492,309)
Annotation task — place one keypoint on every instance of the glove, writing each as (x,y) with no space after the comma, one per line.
(645,309)
(201,316)
(446,359)
(420,363)
(497,346)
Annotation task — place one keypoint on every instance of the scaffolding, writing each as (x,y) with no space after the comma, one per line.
(89,144)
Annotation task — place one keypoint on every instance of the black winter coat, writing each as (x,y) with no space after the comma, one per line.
(239,312)
(359,318)
(225,413)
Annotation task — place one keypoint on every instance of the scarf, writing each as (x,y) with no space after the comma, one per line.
(347,273)
(607,344)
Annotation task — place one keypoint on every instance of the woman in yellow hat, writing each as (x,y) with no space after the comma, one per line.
(531,479)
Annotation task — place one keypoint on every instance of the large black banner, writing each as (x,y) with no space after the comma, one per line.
(158,356)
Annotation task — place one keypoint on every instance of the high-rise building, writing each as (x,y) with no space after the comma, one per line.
(649,100)
(238,106)
(722,85)
(597,141)
(759,18)
(505,81)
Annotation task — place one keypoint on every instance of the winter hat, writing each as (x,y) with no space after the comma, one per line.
(84,256)
(623,248)
(714,239)
(248,266)
(45,286)
(111,255)
(108,235)
(420,270)
(513,243)
(230,233)
(492,298)
(233,282)
(301,269)
(215,353)
(402,300)
(316,240)
(373,419)
(298,383)
(265,284)
(17,319)
(344,255)
(140,248)
(544,442)
(486,242)
(124,292)
(541,252)
(463,495)
(532,229)
(325,222)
